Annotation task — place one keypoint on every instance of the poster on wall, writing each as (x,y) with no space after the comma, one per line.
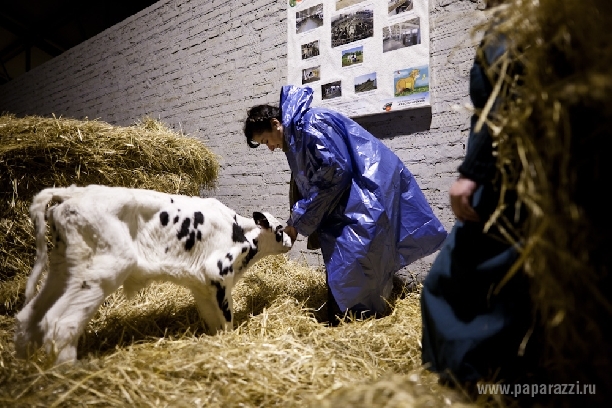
(360,57)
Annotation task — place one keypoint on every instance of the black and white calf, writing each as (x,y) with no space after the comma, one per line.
(105,237)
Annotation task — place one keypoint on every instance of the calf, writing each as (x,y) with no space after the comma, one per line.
(105,237)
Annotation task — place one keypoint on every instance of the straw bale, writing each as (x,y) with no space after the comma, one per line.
(38,152)
(553,136)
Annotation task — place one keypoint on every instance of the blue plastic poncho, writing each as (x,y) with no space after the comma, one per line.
(371,216)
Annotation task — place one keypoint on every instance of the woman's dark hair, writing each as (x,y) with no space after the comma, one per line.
(258,120)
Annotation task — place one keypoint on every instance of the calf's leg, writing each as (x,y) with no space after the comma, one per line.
(28,330)
(87,288)
(66,320)
(214,307)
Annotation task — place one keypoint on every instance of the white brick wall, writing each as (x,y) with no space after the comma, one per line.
(198,65)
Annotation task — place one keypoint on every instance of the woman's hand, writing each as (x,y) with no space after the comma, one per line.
(461,192)
(292,232)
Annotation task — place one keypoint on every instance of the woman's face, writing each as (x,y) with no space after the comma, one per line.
(271,138)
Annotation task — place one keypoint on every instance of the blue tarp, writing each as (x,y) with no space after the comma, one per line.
(371,215)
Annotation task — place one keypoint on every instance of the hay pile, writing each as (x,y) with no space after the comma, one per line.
(150,352)
(37,152)
(554,138)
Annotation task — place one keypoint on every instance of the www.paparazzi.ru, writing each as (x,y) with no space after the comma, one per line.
(536,389)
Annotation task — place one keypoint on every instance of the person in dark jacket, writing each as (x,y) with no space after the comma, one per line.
(367,209)
(473,327)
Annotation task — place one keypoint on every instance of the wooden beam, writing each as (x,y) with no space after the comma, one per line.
(29,36)
(28,57)
(6,76)
(11,51)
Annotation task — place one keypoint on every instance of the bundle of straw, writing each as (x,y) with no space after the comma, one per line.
(553,134)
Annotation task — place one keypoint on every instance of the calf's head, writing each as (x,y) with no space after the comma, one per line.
(272,239)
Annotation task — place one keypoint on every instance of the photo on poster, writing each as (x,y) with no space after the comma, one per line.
(401,35)
(340,4)
(352,56)
(309,19)
(396,7)
(310,50)
(349,27)
(411,89)
(411,81)
(365,82)
(331,90)
(311,74)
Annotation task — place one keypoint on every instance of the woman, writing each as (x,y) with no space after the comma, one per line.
(370,215)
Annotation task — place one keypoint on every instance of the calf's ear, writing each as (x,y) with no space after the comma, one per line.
(261,220)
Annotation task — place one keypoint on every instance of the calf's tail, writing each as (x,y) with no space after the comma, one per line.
(37,214)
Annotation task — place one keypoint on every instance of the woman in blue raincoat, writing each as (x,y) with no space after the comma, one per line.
(370,215)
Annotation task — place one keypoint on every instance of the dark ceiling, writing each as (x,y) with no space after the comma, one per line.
(34,31)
